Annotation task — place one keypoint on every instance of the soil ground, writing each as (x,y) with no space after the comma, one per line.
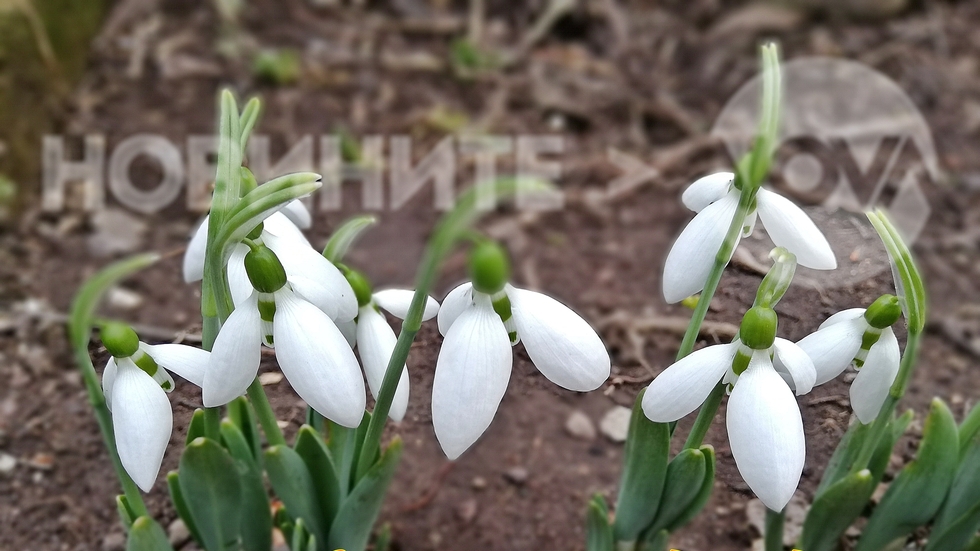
(647,79)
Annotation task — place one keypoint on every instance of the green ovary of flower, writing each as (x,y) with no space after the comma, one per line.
(362,288)
(758,329)
(264,270)
(489,267)
(883,312)
(120,340)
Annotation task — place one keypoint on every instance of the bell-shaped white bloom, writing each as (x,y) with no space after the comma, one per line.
(312,353)
(715,200)
(839,342)
(765,428)
(142,419)
(375,341)
(475,361)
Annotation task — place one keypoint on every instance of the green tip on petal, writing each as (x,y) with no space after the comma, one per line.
(120,339)
(883,312)
(361,286)
(489,267)
(264,270)
(758,330)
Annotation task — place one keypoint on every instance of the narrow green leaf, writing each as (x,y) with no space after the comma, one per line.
(293,483)
(656,541)
(685,478)
(316,456)
(909,280)
(969,428)
(180,504)
(850,447)
(920,488)
(959,518)
(835,510)
(599,533)
(340,442)
(247,121)
(210,482)
(240,413)
(351,529)
(197,427)
(256,517)
(147,535)
(126,514)
(644,469)
(344,237)
(703,494)
(300,538)
(383,541)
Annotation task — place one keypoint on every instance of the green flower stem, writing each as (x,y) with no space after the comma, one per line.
(705,416)
(774,530)
(447,233)
(267,417)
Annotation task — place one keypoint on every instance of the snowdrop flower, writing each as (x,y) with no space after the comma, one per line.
(313,354)
(715,199)
(864,337)
(374,338)
(765,428)
(480,321)
(135,383)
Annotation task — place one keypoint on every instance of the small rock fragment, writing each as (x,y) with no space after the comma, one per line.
(478,483)
(7,463)
(270,378)
(42,461)
(121,298)
(114,542)
(177,533)
(516,475)
(466,511)
(615,423)
(578,425)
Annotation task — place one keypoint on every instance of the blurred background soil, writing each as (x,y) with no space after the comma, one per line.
(647,78)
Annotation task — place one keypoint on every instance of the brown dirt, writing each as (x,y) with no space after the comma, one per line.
(648,80)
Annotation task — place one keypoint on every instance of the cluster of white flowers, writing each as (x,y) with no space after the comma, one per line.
(765,428)
(289,297)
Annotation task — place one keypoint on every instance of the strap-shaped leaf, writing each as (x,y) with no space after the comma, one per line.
(210,482)
(196,428)
(850,446)
(685,477)
(959,518)
(920,488)
(344,237)
(126,514)
(351,529)
(316,456)
(240,413)
(293,483)
(701,498)
(644,469)
(969,428)
(834,510)
(180,504)
(147,535)
(256,517)
(598,530)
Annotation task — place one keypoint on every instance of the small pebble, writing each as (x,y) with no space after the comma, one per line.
(114,542)
(615,423)
(7,463)
(177,533)
(479,483)
(580,426)
(270,378)
(42,461)
(466,511)
(516,475)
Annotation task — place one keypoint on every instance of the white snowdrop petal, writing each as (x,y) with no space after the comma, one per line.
(315,294)
(458,300)
(693,253)
(685,385)
(375,342)
(843,315)
(238,282)
(302,261)
(562,345)
(193,267)
(108,377)
(765,431)
(298,214)
(349,330)
(798,365)
(279,225)
(397,302)
(471,378)
(707,190)
(833,348)
(317,360)
(189,362)
(788,226)
(142,423)
(235,355)
(870,388)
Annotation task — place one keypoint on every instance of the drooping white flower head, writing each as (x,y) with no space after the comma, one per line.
(865,338)
(374,338)
(480,322)
(715,200)
(135,383)
(765,428)
(312,352)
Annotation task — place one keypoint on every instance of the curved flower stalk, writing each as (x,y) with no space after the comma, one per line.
(480,322)
(312,352)
(136,383)
(375,339)
(765,428)
(865,338)
(715,199)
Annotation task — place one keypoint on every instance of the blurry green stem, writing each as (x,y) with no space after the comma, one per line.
(774,530)
(888,408)
(267,417)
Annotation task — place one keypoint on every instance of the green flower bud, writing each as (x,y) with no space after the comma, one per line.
(256,232)
(758,330)
(361,286)
(264,270)
(120,339)
(883,312)
(489,267)
(248,181)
